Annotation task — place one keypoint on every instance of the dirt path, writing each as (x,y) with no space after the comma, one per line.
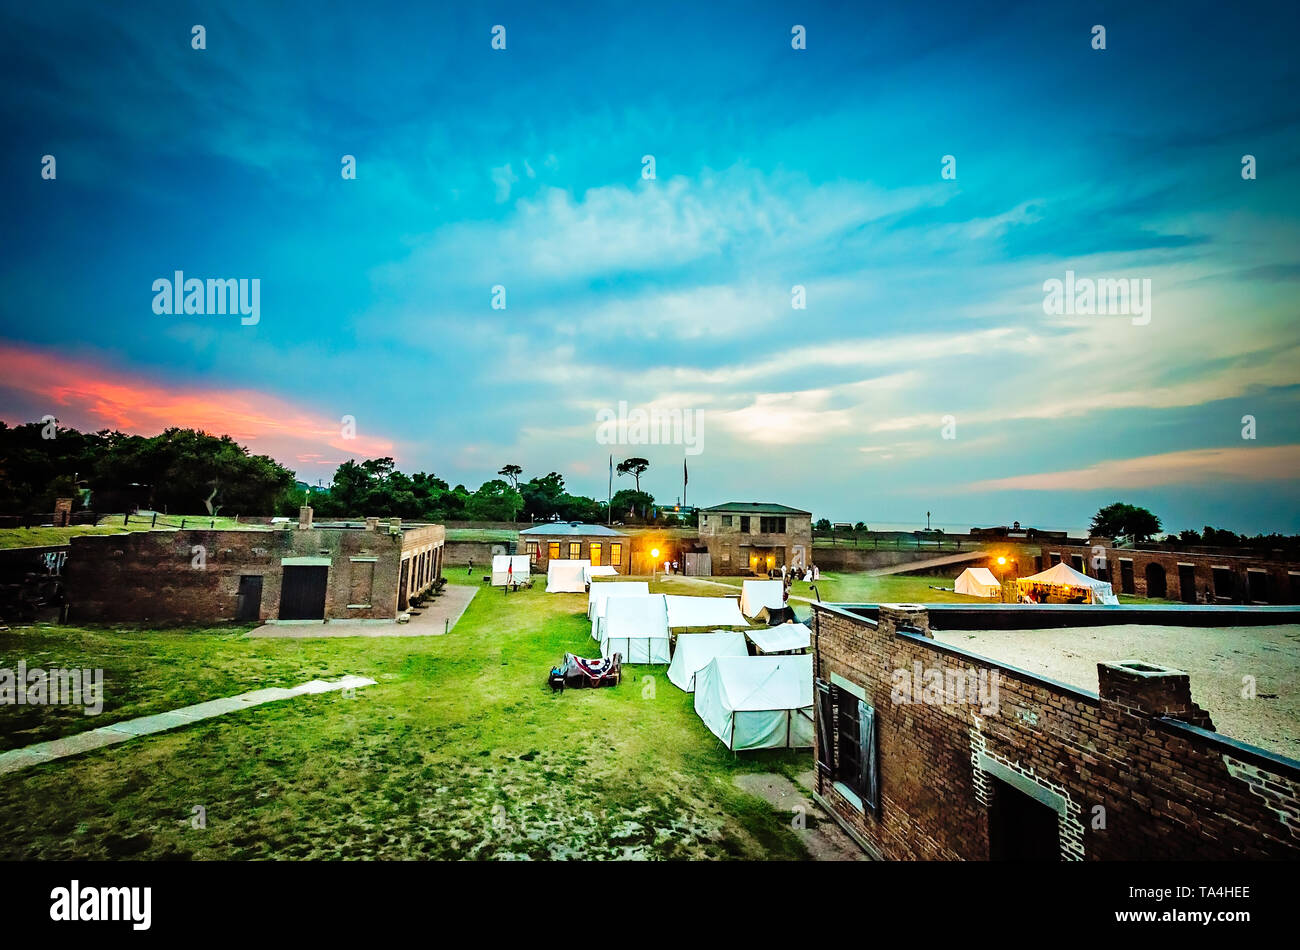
(819,833)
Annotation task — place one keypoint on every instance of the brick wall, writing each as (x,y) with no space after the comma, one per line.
(1280,579)
(160,577)
(730,547)
(1135,773)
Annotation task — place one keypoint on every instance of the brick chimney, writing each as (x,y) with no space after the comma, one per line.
(304,518)
(1149,690)
(913,616)
(372,524)
(394,525)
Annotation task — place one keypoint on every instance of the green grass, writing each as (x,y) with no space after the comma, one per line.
(459,752)
(109,524)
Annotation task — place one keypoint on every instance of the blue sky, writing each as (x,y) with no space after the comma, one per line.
(774,167)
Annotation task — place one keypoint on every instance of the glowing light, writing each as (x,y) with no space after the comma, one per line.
(1002,560)
(654,552)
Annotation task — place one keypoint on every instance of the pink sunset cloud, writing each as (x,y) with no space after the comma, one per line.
(1238,464)
(89,396)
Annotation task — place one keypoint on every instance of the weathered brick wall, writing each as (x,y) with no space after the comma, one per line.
(1168,788)
(156,576)
(1281,586)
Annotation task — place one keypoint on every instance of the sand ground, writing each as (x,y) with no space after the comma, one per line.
(1217,659)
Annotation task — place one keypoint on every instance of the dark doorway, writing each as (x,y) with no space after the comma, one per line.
(1021,828)
(1155,580)
(302,593)
(1126,577)
(1224,588)
(1187,583)
(1257,581)
(248,605)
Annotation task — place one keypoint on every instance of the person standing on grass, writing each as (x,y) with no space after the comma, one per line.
(471,568)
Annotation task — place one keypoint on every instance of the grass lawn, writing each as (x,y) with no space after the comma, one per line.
(109,524)
(459,752)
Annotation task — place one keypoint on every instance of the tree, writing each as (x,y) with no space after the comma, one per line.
(1123,521)
(494,501)
(635,467)
(823,525)
(627,500)
(512,472)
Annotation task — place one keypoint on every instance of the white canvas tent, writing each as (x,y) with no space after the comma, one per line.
(704,612)
(695,650)
(757,702)
(1061,580)
(783,638)
(509,569)
(601,592)
(977,582)
(598,570)
(565,577)
(636,627)
(758,597)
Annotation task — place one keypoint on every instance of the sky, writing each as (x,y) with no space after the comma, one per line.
(920,171)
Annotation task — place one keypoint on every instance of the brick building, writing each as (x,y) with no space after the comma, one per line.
(1044,770)
(750,537)
(574,541)
(299,572)
(1183,575)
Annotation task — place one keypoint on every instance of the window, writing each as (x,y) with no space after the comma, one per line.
(616,554)
(553,550)
(595,553)
(771,525)
(744,523)
(704,520)
(846,743)
(575,550)
(531,548)
(726,521)
(1076,562)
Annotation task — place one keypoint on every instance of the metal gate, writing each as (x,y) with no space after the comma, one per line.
(302,593)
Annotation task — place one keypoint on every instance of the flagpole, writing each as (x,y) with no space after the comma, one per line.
(609,503)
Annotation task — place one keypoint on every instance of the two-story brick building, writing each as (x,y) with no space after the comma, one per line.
(750,537)
(574,541)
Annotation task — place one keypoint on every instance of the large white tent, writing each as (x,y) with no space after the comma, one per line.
(509,569)
(565,577)
(696,650)
(977,582)
(1062,581)
(758,597)
(598,570)
(599,593)
(704,612)
(757,702)
(783,638)
(636,627)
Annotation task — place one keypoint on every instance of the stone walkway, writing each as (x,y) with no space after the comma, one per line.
(439,615)
(40,752)
(823,838)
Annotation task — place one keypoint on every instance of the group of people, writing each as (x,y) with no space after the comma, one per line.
(810,572)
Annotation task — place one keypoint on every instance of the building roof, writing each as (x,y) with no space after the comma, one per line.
(576,528)
(756,507)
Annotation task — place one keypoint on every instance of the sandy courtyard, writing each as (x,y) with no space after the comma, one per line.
(1217,658)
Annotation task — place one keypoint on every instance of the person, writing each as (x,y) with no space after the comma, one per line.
(471,568)
(782,572)
(675,566)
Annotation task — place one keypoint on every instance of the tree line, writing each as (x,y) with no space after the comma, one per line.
(187,471)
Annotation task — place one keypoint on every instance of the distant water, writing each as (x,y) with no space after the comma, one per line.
(950,527)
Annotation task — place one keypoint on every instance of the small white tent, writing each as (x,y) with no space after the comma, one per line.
(704,612)
(757,702)
(783,638)
(1061,580)
(509,569)
(758,597)
(598,570)
(695,650)
(565,577)
(601,592)
(977,582)
(636,627)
